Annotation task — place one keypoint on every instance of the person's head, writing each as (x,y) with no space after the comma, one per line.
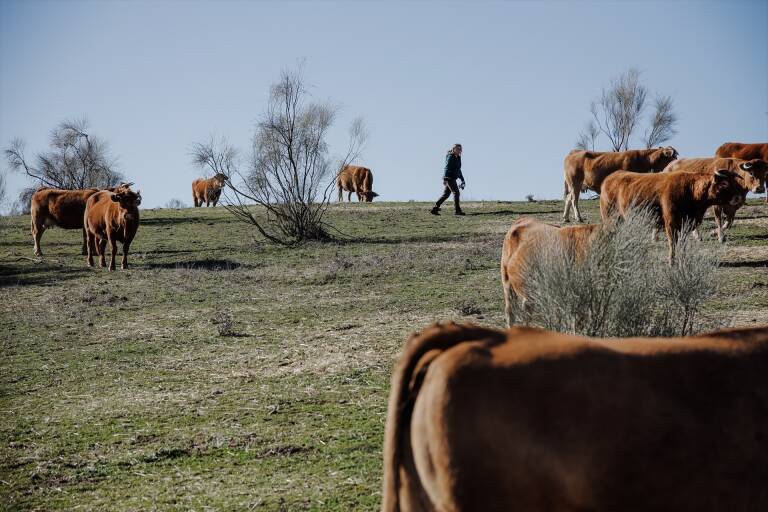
(456,149)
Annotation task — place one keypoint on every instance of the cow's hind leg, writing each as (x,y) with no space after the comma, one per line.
(37,234)
(101,245)
(508,310)
(90,247)
(349,197)
(113,247)
(567,201)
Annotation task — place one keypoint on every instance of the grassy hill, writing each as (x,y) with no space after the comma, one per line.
(223,373)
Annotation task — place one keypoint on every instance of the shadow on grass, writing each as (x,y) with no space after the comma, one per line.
(515,212)
(745,264)
(206,264)
(39,273)
(404,240)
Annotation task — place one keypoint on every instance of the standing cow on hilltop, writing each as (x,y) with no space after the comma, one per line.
(586,170)
(354,178)
(746,152)
(208,190)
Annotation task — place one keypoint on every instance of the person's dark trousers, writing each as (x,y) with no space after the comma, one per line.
(450,186)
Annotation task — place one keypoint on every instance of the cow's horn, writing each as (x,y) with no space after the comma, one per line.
(746,165)
(721,173)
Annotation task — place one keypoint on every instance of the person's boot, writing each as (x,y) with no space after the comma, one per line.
(459,212)
(435,210)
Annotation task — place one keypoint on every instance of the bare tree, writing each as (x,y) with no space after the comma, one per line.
(290,174)
(216,156)
(2,189)
(175,204)
(620,108)
(75,159)
(663,122)
(588,136)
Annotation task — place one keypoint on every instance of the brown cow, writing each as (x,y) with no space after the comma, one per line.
(111,217)
(54,207)
(524,240)
(354,178)
(586,170)
(527,419)
(746,152)
(677,198)
(751,175)
(208,190)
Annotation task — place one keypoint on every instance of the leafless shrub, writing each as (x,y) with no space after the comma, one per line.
(588,136)
(530,198)
(619,110)
(291,173)
(224,323)
(175,204)
(663,122)
(622,286)
(75,159)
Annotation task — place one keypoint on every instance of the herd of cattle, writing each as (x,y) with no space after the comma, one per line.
(525,419)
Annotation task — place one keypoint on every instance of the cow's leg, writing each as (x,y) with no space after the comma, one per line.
(349,197)
(194,200)
(508,311)
(341,194)
(85,243)
(124,262)
(719,227)
(672,230)
(575,201)
(113,247)
(90,247)
(37,234)
(567,201)
(102,248)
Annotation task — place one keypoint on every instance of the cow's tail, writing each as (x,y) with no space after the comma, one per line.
(405,387)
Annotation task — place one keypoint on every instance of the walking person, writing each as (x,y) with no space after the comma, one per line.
(451,174)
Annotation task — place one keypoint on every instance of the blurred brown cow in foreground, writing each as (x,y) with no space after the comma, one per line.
(55,207)
(745,152)
(586,170)
(678,199)
(354,178)
(525,240)
(527,419)
(751,175)
(208,190)
(111,217)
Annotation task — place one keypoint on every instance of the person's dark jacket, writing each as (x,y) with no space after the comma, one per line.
(453,167)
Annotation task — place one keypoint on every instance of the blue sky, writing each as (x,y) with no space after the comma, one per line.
(511,81)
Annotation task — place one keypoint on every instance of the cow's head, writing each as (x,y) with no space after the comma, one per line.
(127,198)
(220,178)
(370,195)
(753,173)
(662,157)
(726,188)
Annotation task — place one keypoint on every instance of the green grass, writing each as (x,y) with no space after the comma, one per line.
(117,392)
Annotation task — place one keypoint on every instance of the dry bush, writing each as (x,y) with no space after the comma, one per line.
(224,323)
(622,286)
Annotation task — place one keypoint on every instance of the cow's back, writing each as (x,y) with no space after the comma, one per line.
(546,421)
(58,207)
(743,151)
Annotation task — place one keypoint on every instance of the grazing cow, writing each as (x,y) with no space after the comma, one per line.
(523,242)
(353,178)
(751,175)
(527,419)
(746,152)
(54,207)
(586,170)
(677,198)
(208,190)
(111,217)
